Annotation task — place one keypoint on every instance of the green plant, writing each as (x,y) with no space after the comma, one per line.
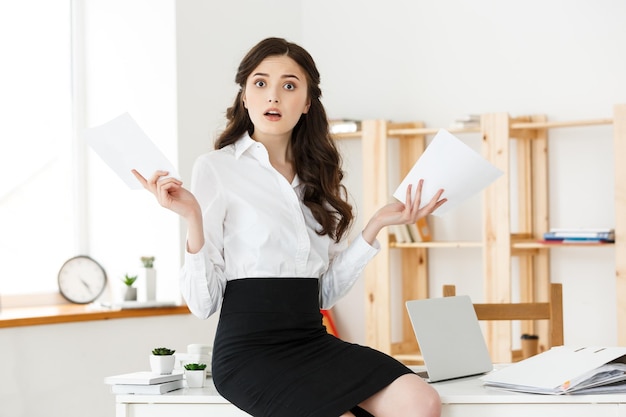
(147,261)
(162,351)
(128,280)
(195,366)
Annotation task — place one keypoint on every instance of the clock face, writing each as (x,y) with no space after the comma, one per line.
(81,280)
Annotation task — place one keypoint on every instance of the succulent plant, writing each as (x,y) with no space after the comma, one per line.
(162,351)
(147,261)
(195,366)
(128,280)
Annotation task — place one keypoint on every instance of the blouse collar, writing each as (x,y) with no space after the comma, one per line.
(245,142)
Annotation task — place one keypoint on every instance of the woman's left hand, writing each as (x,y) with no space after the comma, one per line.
(399,213)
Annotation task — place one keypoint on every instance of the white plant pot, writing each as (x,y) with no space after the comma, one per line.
(147,284)
(195,379)
(162,364)
(129,293)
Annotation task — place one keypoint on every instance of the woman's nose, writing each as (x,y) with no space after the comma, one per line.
(272,94)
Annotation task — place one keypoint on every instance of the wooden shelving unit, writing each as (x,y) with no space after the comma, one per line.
(529,134)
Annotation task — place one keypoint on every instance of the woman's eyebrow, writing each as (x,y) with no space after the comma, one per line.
(263,74)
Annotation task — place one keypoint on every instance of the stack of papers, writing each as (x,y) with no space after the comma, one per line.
(565,370)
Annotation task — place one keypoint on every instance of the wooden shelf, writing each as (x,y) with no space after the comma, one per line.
(70,313)
(535,244)
(350,135)
(434,245)
(499,134)
(557,124)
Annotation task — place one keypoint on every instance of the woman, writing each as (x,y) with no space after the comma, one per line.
(267,223)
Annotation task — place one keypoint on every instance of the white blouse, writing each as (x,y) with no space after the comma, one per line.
(256,226)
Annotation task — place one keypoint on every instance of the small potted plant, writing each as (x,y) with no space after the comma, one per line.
(162,361)
(147,281)
(195,373)
(130,292)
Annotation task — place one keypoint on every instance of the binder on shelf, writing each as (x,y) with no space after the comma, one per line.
(565,370)
(423,230)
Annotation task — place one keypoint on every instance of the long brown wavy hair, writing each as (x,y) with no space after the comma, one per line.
(316,158)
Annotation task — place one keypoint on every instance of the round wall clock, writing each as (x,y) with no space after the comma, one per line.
(81,279)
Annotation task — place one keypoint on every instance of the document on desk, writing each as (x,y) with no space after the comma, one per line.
(565,370)
(123,146)
(451,165)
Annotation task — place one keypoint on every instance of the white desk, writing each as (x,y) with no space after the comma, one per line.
(463,397)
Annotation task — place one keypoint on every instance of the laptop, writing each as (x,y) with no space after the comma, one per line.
(450,337)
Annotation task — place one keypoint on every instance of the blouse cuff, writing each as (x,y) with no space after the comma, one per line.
(195,262)
(361,251)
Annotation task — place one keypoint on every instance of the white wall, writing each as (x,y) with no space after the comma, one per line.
(58,370)
(172,65)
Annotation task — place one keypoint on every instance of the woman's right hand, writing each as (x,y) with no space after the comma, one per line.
(170,193)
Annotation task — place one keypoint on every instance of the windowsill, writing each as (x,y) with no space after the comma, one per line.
(71,313)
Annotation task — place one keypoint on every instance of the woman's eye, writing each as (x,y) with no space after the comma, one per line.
(289,87)
(260,83)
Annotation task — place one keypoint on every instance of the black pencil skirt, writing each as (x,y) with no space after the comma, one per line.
(272,356)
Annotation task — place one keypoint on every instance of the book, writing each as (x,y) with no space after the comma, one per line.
(582,235)
(579,230)
(423,230)
(147,389)
(403,231)
(581,241)
(142,378)
(593,233)
(396,230)
(414,234)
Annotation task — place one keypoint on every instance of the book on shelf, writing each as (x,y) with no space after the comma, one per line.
(142,378)
(161,388)
(423,230)
(580,235)
(401,232)
(412,232)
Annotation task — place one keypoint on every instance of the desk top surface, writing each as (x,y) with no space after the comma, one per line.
(468,390)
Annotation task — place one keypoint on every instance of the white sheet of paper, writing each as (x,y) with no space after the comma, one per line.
(450,164)
(123,146)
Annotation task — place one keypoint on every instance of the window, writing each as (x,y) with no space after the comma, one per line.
(38,218)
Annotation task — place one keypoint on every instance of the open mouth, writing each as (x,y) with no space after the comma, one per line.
(272,114)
